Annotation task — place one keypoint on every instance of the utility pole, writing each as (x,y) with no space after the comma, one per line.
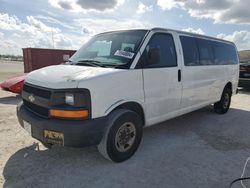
(52,35)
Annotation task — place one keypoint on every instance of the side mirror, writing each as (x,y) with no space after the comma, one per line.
(153,56)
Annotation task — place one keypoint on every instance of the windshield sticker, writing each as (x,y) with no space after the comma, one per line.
(125,54)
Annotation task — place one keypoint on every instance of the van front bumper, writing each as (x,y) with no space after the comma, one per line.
(77,133)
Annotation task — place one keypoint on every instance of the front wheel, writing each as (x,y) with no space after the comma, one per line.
(47,145)
(123,135)
(223,105)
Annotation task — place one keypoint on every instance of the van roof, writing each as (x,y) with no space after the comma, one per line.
(191,34)
(178,31)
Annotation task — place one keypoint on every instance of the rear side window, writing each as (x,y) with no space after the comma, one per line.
(224,54)
(198,51)
(160,52)
(205,52)
(190,51)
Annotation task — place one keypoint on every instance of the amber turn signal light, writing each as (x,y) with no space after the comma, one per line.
(69,113)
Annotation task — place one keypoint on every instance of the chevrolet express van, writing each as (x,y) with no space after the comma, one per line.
(120,82)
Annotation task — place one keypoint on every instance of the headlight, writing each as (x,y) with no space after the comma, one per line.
(71,103)
(69,99)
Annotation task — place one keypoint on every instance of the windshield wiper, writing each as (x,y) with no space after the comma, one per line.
(90,62)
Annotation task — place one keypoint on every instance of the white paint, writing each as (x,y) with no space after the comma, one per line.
(157,90)
(65,76)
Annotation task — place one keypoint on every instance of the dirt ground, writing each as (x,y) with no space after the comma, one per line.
(200,149)
(9,69)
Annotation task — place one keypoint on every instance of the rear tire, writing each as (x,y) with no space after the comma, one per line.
(122,136)
(223,105)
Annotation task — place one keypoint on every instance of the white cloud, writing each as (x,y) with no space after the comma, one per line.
(58,41)
(168,4)
(9,22)
(86,5)
(53,21)
(32,26)
(100,25)
(16,35)
(62,41)
(143,8)
(192,30)
(32,33)
(40,26)
(240,38)
(221,11)
(8,46)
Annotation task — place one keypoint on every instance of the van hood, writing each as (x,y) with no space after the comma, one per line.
(65,76)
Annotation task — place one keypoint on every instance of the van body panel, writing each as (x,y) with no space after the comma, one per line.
(65,76)
(111,90)
(162,92)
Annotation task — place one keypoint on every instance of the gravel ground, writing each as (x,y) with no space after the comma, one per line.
(200,149)
(9,69)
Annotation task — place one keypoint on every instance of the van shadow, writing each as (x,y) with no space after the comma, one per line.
(12,100)
(65,167)
(29,166)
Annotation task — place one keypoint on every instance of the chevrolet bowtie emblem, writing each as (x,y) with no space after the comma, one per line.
(31,98)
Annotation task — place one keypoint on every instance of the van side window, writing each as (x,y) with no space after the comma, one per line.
(205,52)
(160,52)
(224,54)
(190,51)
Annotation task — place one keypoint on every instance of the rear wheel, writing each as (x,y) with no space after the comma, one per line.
(223,105)
(122,137)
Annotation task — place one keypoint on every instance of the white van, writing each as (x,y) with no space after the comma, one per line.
(122,81)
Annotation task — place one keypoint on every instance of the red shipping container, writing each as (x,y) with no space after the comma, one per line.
(36,58)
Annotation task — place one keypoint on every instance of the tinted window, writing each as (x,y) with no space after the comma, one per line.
(190,51)
(224,54)
(160,52)
(205,52)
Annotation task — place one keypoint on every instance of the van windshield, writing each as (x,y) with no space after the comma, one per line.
(114,49)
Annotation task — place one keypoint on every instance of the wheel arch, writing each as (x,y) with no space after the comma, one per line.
(133,106)
(230,86)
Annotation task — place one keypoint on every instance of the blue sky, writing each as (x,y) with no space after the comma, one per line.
(68,24)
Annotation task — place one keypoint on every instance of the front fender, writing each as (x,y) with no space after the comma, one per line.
(120,102)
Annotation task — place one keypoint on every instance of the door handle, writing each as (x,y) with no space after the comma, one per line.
(179,75)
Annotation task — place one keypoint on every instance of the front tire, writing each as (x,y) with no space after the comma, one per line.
(223,105)
(122,136)
(47,145)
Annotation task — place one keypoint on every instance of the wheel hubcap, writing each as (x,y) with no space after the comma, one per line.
(125,137)
(226,100)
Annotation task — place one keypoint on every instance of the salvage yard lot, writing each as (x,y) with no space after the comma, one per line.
(200,149)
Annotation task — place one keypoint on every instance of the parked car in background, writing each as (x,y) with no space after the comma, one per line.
(244,80)
(35,58)
(14,84)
